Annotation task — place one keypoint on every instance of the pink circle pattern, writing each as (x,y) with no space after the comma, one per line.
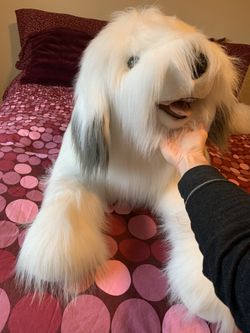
(131,296)
(116,280)
(45,313)
(4,308)
(8,233)
(84,313)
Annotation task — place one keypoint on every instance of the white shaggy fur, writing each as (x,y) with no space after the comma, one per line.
(111,151)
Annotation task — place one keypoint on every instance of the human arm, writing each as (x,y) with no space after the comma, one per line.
(220,218)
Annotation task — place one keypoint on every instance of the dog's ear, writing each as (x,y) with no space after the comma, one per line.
(220,127)
(229,119)
(91,144)
(225,87)
(91,115)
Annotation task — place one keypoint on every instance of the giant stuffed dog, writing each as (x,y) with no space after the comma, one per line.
(142,78)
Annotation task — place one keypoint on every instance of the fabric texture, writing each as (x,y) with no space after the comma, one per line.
(220,218)
(30,21)
(55,56)
(241,54)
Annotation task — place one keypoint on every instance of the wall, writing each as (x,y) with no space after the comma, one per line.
(221,18)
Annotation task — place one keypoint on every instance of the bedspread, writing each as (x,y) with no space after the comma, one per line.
(132,296)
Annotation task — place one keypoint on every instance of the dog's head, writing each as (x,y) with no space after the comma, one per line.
(147,74)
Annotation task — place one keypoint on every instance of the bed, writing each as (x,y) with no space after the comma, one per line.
(36,108)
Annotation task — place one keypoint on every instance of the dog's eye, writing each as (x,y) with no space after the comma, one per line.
(200,66)
(132,61)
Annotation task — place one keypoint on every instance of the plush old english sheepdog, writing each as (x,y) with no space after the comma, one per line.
(143,77)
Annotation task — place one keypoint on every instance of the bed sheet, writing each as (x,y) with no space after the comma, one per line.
(132,296)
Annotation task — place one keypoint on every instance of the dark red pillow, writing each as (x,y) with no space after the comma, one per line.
(242,53)
(55,56)
(31,21)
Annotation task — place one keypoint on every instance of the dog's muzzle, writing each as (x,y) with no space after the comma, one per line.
(180,109)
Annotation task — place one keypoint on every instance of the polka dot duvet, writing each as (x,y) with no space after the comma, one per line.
(132,295)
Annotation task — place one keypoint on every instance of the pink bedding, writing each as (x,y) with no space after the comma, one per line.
(132,297)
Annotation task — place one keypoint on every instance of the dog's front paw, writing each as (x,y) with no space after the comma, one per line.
(64,247)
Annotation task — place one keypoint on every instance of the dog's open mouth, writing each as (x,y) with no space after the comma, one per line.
(180,109)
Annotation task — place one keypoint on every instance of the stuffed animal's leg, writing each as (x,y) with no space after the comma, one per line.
(184,269)
(65,244)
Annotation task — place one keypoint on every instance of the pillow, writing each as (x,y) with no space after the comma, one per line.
(55,55)
(242,53)
(30,21)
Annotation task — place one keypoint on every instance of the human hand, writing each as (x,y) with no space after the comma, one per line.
(185,149)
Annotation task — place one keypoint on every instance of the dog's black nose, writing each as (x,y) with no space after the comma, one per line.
(200,66)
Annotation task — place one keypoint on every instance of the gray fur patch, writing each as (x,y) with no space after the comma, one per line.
(91,146)
(219,130)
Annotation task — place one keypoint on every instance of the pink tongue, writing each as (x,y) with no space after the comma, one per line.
(180,108)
